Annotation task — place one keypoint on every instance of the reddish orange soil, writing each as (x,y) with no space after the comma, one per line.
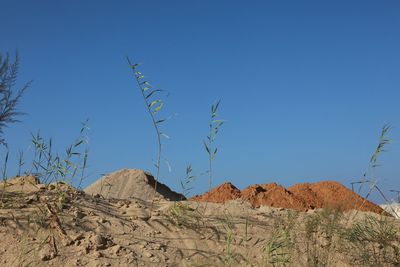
(301,197)
(220,194)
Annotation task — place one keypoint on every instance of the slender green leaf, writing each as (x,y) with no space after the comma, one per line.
(152,92)
(206,147)
(78,143)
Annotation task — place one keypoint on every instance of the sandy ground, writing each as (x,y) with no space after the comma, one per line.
(393,209)
(57,225)
(124,184)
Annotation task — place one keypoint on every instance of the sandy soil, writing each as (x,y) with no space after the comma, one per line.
(57,225)
(393,209)
(126,183)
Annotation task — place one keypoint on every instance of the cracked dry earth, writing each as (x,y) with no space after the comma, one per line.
(58,225)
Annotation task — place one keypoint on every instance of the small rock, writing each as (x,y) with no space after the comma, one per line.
(102,220)
(97,254)
(155,259)
(41,186)
(164,258)
(51,187)
(147,254)
(78,236)
(32,198)
(116,249)
(44,198)
(99,241)
(92,213)
(87,249)
(156,246)
(46,254)
(143,216)
(156,213)
(143,244)
(67,241)
(78,214)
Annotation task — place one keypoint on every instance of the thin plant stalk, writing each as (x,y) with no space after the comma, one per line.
(153,107)
(373,164)
(4,172)
(187,183)
(20,162)
(214,127)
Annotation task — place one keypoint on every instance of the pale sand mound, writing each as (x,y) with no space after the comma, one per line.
(135,183)
(393,209)
(26,183)
(301,197)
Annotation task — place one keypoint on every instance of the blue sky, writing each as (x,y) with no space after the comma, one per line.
(305,85)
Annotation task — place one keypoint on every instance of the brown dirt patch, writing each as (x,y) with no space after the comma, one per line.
(272,195)
(220,194)
(301,197)
(330,194)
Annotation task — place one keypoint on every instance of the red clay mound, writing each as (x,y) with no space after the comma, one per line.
(220,194)
(330,194)
(301,197)
(272,195)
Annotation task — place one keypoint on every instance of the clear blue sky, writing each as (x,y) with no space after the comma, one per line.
(305,85)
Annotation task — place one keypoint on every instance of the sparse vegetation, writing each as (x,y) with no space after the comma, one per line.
(183,215)
(10,98)
(321,228)
(50,167)
(375,241)
(228,225)
(278,249)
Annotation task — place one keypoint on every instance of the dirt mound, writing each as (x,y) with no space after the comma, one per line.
(126,184)
(301,197)
(272,195)
(220,194)
(330,194)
